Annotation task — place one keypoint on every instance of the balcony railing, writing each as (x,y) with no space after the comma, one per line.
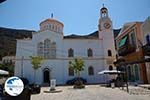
(127,49)
(146,49)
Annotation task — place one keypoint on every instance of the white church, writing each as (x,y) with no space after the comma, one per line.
(96,49)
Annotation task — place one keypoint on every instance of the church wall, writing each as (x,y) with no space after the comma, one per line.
(108,43)
(81,46)
(25,48)
(59,65)
(59,71)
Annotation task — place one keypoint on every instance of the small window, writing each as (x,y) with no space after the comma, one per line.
(55,28)
(52,27)
(49,26)
(58,29)
(10,62)
(90,52)
(70,52)
(109,53)
(147,39)
(70,71)
(110,67)
(116,56)
(3,61)
(91,70)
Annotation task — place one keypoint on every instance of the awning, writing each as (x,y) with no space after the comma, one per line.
(3,72)
(110,72)
(123,41)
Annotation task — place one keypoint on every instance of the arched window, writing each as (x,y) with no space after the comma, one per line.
(44,27)
(10,61)
(47,49)
(52,27)
(70,52)
(136,70)
(147,39)
(90,52)
(49,26)
(91,70)
(116,56)
(53,50)
(56,28)
(109,53)
(47,40)
(61,29)
(110,67)
(47,44)
(70,71)
(5,61)
(40,48)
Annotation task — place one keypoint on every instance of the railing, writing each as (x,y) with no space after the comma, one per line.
(127,49)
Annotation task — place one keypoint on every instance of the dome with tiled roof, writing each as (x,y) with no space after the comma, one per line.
(52,25)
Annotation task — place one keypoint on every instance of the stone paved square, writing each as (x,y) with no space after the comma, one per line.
(91,92)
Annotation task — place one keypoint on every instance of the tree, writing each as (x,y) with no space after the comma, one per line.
(77,65)
(36,62)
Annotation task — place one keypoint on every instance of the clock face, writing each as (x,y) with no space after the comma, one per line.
(107,25)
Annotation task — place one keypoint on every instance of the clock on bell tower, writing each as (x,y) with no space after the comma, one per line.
(105,22)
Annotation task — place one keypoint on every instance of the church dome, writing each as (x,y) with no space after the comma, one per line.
(52,25)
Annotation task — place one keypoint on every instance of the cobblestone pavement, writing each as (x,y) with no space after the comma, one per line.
(91,92)
(139,91)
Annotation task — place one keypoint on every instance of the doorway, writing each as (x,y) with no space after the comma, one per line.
(46,75)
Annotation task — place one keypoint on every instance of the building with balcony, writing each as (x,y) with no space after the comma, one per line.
(146,43)
(129,47)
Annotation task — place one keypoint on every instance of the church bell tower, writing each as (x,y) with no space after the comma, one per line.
(106,36)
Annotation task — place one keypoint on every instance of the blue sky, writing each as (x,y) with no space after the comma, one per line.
(78,16)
